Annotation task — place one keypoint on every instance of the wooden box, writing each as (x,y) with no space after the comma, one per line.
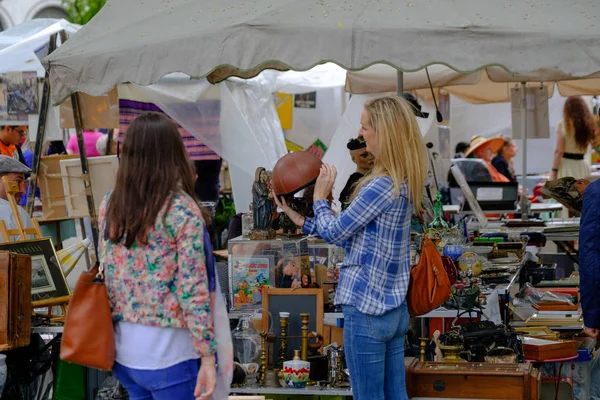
(472,381)
(537,349)
(15,300)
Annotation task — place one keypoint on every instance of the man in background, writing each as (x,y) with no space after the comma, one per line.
(15,171)
(589,256)
(364,163)
(11,137)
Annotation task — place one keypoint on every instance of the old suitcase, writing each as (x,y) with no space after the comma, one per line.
(472,381)
(15,300)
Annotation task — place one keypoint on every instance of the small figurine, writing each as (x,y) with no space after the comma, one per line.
(262,201)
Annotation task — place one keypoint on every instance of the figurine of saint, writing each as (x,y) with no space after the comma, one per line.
(262,200)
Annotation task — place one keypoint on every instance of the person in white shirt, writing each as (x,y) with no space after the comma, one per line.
(16,172)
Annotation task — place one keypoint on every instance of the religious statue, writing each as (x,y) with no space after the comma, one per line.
(262,201)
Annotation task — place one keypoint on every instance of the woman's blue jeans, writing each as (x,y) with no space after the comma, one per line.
(375,353)
(176,382)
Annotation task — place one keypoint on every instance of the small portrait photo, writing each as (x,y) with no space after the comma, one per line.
(41,280)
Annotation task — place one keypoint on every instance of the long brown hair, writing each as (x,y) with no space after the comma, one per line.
(579,121)
(154,167)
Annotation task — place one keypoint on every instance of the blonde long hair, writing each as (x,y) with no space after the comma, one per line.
(401,151)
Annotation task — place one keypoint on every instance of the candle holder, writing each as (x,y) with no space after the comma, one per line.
(304,349)
(424,342)
(283,324)
(260,378)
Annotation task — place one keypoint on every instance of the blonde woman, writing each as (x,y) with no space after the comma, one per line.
(375,232)
(574,135)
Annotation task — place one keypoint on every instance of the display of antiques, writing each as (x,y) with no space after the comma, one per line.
(262,357)
(481,341)
(565,192)
(288,263)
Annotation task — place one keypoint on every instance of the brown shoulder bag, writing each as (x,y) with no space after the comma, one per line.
(89,337)
(429,284)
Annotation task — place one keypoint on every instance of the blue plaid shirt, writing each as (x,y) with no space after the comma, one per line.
(375,232)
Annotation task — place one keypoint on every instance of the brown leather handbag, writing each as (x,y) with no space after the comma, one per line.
(89,337)
(429,284)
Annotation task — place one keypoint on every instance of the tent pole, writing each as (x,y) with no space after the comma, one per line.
(400,83)
(85,170)
(524,199)
(40,134)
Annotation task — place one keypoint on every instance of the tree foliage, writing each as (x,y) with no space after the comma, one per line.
(82,11)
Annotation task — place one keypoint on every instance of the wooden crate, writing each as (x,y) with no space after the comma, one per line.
(472,381)
(15,300)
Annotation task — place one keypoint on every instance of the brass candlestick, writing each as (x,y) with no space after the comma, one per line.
(260,378)
(283,323)
(304,350)
(424,342)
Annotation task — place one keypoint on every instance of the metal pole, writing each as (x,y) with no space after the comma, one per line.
(85,170)
(109,142)
(400,83)
(41,134)
(524,199)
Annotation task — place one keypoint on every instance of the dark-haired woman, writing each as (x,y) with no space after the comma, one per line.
(152,248)
(574,135)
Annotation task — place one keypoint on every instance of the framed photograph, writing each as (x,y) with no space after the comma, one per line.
(47,278)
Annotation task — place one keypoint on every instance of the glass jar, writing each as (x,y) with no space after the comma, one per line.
(247,345)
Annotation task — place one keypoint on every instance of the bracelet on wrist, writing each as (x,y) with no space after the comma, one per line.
(554,169)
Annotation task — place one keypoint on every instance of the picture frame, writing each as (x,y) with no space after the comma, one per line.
(295,302)
(47,277)
(103,175)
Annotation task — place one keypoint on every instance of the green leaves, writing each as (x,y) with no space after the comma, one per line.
(82,11)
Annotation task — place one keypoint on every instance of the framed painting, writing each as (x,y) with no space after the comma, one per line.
(47,278)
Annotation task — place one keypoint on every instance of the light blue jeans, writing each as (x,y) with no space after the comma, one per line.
(375,353)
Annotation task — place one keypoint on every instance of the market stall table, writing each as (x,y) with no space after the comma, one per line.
(534,208)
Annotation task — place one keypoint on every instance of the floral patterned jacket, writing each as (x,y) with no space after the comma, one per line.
(163,283)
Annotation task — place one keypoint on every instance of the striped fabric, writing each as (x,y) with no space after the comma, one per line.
(196,150)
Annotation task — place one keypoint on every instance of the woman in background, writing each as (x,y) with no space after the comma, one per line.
(574,135)
(503,162)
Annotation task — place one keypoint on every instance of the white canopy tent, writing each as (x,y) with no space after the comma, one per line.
(21,48)
(139,42)
(490,85)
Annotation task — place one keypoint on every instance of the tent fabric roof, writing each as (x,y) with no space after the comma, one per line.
(491,85)
(141,41)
